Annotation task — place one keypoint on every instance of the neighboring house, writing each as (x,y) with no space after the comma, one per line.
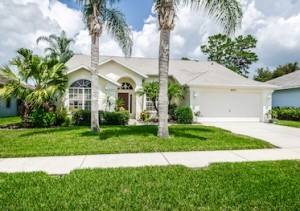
(8,108)
(288,92)
(217,92)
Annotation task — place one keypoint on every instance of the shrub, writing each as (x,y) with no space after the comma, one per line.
(184,115)
(41,118)
(82,117)
(62,118)
(116,118)
(287,113)
(172,109)
(144,115)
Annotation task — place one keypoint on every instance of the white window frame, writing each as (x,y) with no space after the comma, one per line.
(80,95)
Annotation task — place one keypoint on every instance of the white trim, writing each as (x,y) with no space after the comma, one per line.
(204,119)
(109,60)
(89,69)
(232,86)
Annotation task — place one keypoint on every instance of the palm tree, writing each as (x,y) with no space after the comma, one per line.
(98,15)
(174,91)
(58,46)
(227,13)
(39,83)
(150,89)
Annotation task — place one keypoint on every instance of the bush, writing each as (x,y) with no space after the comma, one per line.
(62,118)
(287,113)
(116,118)
(184,115)
(41,118)
(82,117)
(172,109)
(144,115)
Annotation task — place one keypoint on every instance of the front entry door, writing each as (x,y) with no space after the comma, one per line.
(125,98)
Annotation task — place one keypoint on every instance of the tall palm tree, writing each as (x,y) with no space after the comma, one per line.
(226,13)
(58,46)
(97,15)
(39,83)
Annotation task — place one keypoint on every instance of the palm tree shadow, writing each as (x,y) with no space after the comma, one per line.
(149,131)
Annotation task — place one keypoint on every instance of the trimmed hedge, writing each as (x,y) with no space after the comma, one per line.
(83,117)
(184,115)
(287,113)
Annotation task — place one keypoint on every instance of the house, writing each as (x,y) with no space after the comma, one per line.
(288,92)
(217,92)
(8,108)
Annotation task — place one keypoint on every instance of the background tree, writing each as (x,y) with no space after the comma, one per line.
(227,13)
(266,75)
(58,46)
(39,83)
(98,15)
(235,54)
(263,74)
(285,69)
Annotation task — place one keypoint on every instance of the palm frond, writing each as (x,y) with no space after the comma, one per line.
(117,27)
(227,13)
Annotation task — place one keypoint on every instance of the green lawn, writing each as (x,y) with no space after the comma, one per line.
(119,139)
(288,123)
(9,120)
(238,186)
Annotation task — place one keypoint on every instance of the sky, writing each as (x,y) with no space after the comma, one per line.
(274,23)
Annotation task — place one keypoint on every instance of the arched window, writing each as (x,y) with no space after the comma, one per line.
(80,95)
(126,86)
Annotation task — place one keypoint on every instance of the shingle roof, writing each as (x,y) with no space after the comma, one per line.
(185,72)
(288,81)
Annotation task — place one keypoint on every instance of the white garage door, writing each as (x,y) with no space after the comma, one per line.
(230,106)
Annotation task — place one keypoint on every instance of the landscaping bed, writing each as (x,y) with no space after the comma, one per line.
(120,139)
(228,186)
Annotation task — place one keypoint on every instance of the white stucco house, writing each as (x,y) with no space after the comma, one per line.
(287,94)
(217,92)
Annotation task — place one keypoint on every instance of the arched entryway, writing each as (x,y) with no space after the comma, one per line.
(126,93)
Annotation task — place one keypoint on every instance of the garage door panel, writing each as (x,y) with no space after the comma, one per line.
(230,105)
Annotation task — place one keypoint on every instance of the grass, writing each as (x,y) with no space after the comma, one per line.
(238,186)
(119,139)
(295,124)
(9,120)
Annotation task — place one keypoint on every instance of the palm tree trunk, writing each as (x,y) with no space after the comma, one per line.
(164,51)
(95,83)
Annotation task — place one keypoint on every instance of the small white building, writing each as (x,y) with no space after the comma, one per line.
(217,92)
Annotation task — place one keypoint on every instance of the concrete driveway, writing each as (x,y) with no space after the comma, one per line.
(280,136)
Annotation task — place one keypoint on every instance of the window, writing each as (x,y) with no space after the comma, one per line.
(80,95)
(149,104)
(126,86)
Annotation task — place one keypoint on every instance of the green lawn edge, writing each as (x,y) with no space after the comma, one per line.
(120,139)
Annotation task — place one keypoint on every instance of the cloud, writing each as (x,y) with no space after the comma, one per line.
(275,24)
(23,21)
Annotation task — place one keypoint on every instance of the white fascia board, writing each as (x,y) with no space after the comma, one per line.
(232,86)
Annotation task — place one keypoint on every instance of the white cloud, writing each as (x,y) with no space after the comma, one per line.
(275,24)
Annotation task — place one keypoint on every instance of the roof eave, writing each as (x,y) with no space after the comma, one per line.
(232,86)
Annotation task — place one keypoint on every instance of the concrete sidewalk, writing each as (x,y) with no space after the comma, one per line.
(65,164)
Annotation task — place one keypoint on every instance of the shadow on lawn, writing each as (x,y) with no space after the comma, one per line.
(191,132)
(38,131)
